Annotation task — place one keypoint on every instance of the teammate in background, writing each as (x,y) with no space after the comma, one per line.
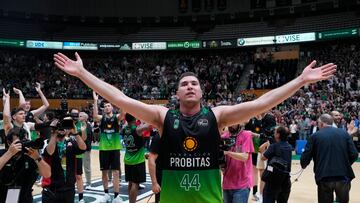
(16,118)
(109,147)
(25,104)
(191,134)
(134,156)
(30,115)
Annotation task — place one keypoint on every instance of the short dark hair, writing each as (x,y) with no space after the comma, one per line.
(50,115)
(16,131)
(283,132)
(16,110)
(106,102)
(129,118)
(186,74)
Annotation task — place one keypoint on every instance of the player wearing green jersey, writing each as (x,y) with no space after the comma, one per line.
(32,114)
(109,147)
(192,154)
(134,156)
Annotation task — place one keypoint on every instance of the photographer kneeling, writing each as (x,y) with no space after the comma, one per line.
(65,143)
(20,165)
(277,173)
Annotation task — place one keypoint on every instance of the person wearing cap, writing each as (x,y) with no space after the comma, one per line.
(19,166)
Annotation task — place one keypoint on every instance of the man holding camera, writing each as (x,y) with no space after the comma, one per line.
(65,143)
(19,167)
(238,178)
(80,123)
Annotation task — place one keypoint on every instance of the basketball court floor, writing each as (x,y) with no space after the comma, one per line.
(303,191)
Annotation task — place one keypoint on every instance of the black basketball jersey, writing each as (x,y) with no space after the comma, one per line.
(109,125)
(189,157)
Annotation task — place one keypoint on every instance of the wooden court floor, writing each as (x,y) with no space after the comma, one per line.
(303,191)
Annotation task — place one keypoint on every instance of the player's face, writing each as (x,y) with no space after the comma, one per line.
(108,108)
(189,89)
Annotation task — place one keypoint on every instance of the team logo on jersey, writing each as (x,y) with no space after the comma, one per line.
(190,144)
(176,124)
(203,122)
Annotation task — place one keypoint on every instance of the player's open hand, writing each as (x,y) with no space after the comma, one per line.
(74,68)
(312,74)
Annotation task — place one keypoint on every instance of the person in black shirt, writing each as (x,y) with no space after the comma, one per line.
(155,167)
(278,191)
(331,148)
(60,153)
(20,169)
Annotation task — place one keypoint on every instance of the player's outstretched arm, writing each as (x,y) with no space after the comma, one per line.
(230,115)
(151,114)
